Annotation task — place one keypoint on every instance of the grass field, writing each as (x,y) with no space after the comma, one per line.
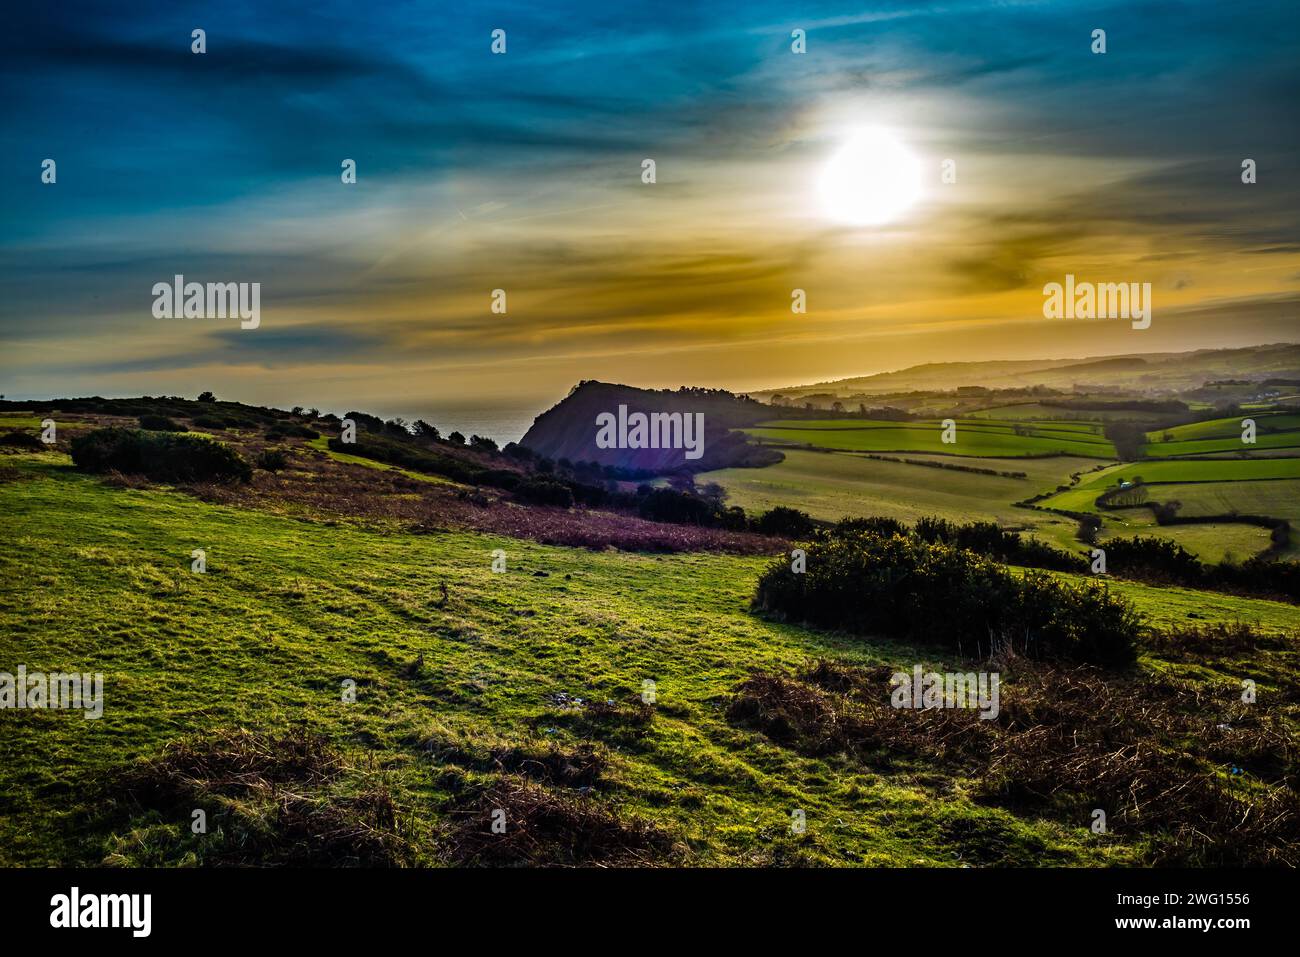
(1274,431)
(1211,542)
(11,421)
(97,578)
(1213,487)
(1037,412)
(832,486)
(1196,470)
(974,437)
(1279,498)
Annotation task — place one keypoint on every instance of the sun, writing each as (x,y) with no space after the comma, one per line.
(872,180)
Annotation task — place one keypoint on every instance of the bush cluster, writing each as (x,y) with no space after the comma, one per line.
(162,456)
(936,593)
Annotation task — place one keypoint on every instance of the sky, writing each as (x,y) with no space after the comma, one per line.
(522,171)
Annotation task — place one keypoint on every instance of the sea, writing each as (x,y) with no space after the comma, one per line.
(503,423)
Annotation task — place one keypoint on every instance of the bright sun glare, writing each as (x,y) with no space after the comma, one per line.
(872,180)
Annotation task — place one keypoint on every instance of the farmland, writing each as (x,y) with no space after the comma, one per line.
(831,486)
(973,437)
(1274,431)
(829,474)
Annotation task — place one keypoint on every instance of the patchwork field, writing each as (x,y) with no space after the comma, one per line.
(974,437)
(1274,431)
(1037,412)
(1194,470)
(834,486)
(831,486)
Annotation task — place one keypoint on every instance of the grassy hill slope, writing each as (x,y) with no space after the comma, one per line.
(97,578)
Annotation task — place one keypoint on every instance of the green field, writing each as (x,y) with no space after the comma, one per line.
(974,437)
(1265,487)
(97,578)
(1229,428)
(1037,412)
(831,486)
(1277,498)
(1211,542)
(1274,431)
(1195,470)
(9,420)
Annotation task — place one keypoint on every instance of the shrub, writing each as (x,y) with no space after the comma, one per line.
(877,524)
(500,478)
(272,460)
(781,520)
(21,440)
(284,430)
(991,541)
(1150,558)
(162,456)
(669,505)
(160,423)
(538,491)
(943,595)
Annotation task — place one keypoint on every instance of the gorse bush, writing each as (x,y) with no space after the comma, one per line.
(943,595)
(286,430)
(1152,559)
(162,456)
(538,491)
(21,440)
(670,505)
(988,539)
(160,423)
(272,460)
(782,520)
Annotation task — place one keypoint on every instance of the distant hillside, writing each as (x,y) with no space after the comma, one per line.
(1167,371)
(568,430)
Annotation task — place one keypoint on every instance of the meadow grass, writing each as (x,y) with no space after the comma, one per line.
(97,578)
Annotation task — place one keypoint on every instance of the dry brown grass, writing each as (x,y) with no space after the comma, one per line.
(316,485)
(274,801)
(1206,780)
(549,828)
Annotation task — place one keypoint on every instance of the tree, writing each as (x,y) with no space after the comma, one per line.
(714,493)
(207,397)
(456,438)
